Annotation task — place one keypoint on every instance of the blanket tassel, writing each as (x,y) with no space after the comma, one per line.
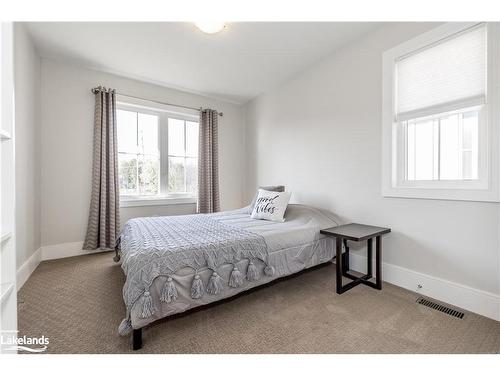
(269,270)
(169,291)
(236,278)
(252,272)
(125,327)
(147,305)
(117,257)
(197,287)
(214,285)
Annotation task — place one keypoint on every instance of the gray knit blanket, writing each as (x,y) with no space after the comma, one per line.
(160,246)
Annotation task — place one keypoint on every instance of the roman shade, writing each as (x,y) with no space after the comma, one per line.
(445,76)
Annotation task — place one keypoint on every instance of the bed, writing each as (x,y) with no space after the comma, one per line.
(175,263)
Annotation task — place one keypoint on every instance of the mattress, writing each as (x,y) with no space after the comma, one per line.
(292,246)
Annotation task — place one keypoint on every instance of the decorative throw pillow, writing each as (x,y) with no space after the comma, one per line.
(270,205)
(279,188)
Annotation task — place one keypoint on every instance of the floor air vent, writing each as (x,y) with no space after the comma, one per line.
(438,307)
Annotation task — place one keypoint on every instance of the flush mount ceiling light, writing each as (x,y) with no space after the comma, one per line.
(210,27)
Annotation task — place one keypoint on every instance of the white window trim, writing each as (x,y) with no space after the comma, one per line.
(164,112)
(485,190)
(155,201)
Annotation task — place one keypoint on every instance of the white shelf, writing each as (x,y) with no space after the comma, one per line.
(5,135)
(8,290)
(5,236)
(5,291)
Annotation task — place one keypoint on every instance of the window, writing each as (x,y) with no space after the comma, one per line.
(138,153)
(436,110)
(442,147)
(157,156)
(182,156)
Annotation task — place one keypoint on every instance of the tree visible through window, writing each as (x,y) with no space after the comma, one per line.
(138,153)
(182,156)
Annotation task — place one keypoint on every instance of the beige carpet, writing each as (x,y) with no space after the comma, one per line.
(77,303)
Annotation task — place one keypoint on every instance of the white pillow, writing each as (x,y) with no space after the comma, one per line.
(270,205)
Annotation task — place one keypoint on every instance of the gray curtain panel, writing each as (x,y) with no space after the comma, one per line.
(208,162)
(104,217)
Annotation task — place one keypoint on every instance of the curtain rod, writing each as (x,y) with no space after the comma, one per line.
(97,89)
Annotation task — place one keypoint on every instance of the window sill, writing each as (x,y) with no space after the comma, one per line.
(457,194)
(156,201)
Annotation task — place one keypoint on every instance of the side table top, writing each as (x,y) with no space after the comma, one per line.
(355,232)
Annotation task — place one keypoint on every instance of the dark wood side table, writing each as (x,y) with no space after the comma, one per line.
(357,232)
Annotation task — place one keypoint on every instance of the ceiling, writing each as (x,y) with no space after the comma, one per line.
(235,65)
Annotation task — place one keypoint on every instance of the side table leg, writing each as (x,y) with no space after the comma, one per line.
(369,256)
(339,265)
(378,260)
(345,258)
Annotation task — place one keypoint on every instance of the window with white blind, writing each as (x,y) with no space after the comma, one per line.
(438,114)
(157,156)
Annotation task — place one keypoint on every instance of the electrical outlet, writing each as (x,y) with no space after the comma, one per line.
(419,286)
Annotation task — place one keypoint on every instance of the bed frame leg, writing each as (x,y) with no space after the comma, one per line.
(137,339)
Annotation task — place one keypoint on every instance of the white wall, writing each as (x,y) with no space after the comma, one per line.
(27,142)
(320,135)
(66,147)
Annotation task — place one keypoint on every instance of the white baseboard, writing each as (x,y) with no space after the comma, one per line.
(475,300)
(65,250)
(49,252)
(27,268)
